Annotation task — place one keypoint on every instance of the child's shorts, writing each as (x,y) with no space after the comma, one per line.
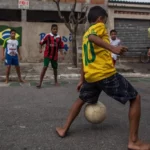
(115,86)
(54,63)
(11,60)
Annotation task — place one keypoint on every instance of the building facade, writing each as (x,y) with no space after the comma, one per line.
(131,18)
(36,22)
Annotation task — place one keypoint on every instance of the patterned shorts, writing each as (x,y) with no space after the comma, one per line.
(115,86)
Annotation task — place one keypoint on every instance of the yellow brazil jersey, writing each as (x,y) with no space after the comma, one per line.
(97,61)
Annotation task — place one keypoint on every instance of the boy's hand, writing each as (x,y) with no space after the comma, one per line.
(20,57)
(148,54)
(119,50)
(62,56)
(3,58)
(40,50)
(79,85)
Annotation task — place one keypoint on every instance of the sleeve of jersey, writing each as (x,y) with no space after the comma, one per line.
(4,44)
(44,40)
(61,44)
(98,31)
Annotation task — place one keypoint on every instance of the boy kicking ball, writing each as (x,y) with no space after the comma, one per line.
(98,74)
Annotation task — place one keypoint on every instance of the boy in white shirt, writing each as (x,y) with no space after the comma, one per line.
(11,55)
(115,42)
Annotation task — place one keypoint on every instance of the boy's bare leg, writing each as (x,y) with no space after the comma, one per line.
(8,68)
(42,76)
(72,115)
(55,76)
(134,119)
(19,74)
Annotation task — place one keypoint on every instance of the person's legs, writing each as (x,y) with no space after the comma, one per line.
(15,62)
(46,63)
(8,63)
(8,68)
(42,76)
(120,89)
(55,66)
(55,76)
(134,120)
(19,74)
(88,93)
(72,115)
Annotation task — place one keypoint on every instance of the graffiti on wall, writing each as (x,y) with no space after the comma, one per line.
(65,39)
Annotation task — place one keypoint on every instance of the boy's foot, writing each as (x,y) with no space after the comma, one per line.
(139,145)
(38,86)
(61,132)
(6,81)
(57,84)
(22,81)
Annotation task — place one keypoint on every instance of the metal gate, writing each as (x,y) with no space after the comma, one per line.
(133,34)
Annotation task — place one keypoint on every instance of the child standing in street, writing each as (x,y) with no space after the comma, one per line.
(53,44)
(11,55)
(115,41)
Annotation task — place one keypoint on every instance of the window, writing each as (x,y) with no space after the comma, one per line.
(10,15)
(46,16)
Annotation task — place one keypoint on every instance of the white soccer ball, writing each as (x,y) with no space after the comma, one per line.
(95,113)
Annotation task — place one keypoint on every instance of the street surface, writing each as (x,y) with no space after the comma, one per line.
(28,117)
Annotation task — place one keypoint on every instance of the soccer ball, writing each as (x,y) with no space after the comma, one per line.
(95,113)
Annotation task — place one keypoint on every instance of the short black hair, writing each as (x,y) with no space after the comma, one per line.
(12,30)
(54,25)
(113,31)
(95,12)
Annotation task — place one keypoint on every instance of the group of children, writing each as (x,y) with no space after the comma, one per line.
(97,72)
(11,52)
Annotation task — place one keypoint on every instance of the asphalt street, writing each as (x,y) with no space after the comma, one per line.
(28,117)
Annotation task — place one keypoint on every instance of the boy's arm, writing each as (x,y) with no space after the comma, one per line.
(82,73)
(19,54)
(19,51)
(62,54)
(42,42)
(61,47)
(120,43)
(81,78)
(40,48)
(61,51)
(99,42)
(3,53)
(3,49)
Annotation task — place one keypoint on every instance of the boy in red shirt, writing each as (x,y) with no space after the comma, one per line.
(53,44)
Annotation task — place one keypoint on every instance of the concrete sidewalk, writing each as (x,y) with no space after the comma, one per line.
(31,71)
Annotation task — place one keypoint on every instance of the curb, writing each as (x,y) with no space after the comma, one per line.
(74,76)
